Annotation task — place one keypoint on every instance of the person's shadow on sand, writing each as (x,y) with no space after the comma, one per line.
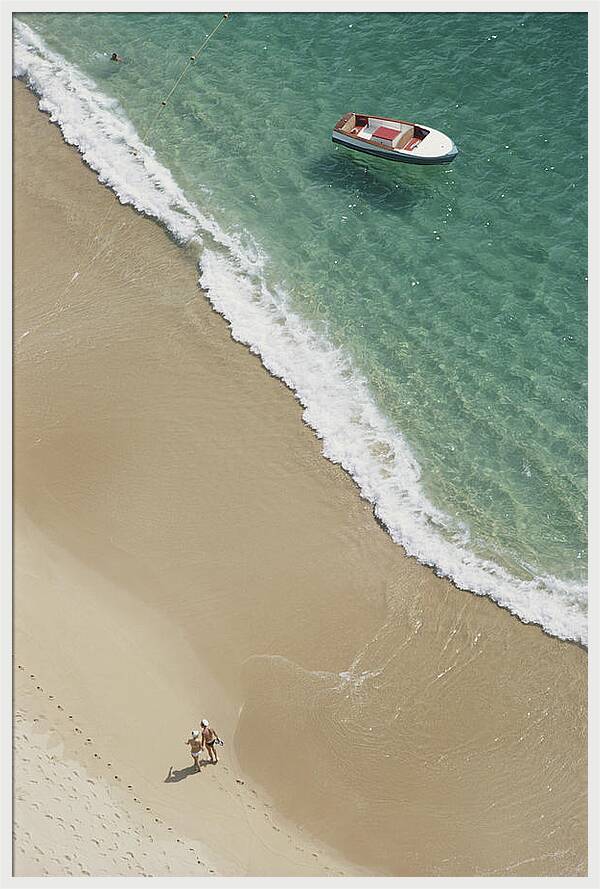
(179,774)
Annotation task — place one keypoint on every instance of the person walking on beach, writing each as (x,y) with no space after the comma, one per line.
(210,738)
(196,745)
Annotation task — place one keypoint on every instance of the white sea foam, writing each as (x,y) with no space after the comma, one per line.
(336,399)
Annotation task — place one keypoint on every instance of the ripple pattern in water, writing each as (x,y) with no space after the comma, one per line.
(459,293)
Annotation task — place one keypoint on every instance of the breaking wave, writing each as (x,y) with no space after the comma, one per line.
(337,401)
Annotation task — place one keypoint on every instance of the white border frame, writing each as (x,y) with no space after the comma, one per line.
(7,8)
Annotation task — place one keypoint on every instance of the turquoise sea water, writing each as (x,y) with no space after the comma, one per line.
(433,320)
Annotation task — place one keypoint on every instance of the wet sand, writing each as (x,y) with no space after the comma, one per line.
(183,549)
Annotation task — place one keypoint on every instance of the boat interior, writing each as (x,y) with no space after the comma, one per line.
(392,134)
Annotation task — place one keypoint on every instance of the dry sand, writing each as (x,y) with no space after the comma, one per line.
(68,820)
(183,549)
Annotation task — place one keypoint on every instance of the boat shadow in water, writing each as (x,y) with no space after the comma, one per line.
(387,186)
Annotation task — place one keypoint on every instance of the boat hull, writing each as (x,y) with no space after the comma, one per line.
(403,157)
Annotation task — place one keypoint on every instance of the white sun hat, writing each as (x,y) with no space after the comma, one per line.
(204,722)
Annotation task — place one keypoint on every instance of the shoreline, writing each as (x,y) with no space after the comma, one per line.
(249,511)
(342,414)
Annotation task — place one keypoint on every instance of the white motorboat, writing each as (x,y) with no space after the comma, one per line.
(396,140)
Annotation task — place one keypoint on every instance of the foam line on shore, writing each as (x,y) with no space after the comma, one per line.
(336,399)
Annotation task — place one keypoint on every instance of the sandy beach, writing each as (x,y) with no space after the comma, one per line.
(183,549)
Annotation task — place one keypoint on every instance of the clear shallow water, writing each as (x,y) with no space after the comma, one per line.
(433,320)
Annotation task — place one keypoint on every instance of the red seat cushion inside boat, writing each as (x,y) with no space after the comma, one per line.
(385,133)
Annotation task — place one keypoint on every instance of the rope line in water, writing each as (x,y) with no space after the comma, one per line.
(189,63)
(192,59)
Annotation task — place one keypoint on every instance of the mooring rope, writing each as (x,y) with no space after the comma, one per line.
(188,65)
(192,59)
